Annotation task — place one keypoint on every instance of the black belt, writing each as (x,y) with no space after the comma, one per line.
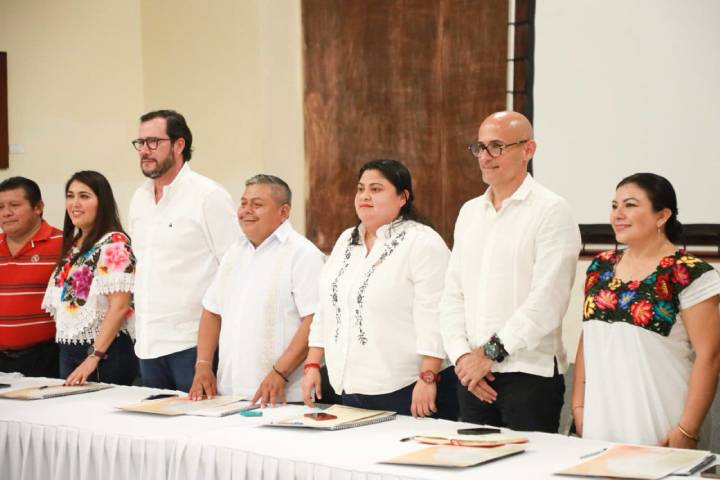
(21,352)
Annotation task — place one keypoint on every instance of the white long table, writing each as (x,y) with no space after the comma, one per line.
(83,437)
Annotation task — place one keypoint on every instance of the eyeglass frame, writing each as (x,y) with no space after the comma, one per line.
(145,142)
(484,148)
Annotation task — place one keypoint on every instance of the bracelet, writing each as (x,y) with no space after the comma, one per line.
(203,361)
(685,432)
(311,365)
(281,375)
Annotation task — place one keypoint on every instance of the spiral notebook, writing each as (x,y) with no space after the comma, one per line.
(337,417)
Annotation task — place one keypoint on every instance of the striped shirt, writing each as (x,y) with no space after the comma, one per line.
(23,280)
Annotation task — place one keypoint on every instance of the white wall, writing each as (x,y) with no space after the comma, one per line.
(627,86)
(81,73)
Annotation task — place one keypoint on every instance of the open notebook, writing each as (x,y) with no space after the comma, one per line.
(173,406)
(344,417)
(40,392)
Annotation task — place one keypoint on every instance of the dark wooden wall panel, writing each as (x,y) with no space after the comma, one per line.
(4,137)
(403,79)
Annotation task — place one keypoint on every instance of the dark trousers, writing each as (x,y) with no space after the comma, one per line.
(120,367)
(524,402)
(40,360)
(400,400)
(174,371)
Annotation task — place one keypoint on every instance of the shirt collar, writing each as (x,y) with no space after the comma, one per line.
(281,233)
(385,231)
(518,195)
(149,184)
(43,233)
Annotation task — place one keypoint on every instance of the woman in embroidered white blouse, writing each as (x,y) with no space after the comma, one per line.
(377,321)
(90,291)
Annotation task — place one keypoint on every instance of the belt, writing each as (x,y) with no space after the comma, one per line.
(21,352)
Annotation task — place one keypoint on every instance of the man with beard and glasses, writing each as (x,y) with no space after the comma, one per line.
(181,224)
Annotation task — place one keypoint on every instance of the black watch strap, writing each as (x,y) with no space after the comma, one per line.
(495,350)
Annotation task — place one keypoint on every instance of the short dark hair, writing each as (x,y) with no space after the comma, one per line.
(177,127)
(398,174)
(662,195)
(281,188)
(32,190)
(107,218)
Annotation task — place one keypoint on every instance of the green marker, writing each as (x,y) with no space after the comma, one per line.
(251,413)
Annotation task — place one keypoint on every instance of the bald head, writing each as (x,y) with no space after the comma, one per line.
(512,124)
(508,146)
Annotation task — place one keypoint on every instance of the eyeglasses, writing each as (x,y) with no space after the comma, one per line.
(494,149)
(151,142)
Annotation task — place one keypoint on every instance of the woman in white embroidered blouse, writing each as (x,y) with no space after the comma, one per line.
(90,291)
(377,321)
(647,364)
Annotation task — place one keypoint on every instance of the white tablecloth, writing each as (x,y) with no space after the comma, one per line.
(83,437)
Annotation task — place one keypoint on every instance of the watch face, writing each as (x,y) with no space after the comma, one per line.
(491,351)
(427,377)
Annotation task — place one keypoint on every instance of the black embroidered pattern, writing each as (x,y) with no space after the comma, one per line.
(389,248)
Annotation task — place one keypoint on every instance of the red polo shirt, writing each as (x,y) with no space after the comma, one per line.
(23,280)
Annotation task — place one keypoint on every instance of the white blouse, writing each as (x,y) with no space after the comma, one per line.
(378,311)
(77,293)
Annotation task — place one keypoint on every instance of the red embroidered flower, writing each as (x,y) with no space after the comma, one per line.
(606,255)
(633,285)
(663,288)
(63,275)
(667,261)
(641,312)
(591,280)
(606,300)
(680,274)
(118,237)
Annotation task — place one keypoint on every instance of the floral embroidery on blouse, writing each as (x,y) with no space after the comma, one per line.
(74,290)
(652,303)
(389,248)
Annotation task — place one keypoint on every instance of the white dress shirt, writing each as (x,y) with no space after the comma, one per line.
(178,242)
(510,274)
(379,310)
(262,294)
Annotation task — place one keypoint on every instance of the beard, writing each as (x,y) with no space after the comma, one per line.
(163,166)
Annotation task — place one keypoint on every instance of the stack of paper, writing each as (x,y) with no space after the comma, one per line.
(635,461)
(40,392)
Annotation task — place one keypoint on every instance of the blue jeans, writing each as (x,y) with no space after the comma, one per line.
(400,400)
(174,371)
(120,367)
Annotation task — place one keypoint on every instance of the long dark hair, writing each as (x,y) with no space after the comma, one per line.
(106,219)
(662,195)
(397,174)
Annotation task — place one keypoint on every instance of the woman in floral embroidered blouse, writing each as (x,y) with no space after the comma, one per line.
(647,363)
(377,321)
(90,291)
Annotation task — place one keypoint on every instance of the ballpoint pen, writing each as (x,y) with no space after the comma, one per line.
(704,463)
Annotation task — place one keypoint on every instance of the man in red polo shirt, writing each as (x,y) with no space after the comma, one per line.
(29,250)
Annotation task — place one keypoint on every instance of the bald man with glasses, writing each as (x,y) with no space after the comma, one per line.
(508,286)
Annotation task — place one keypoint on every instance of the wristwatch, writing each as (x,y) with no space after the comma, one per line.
(495,350)
(428,376)
(93,352)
